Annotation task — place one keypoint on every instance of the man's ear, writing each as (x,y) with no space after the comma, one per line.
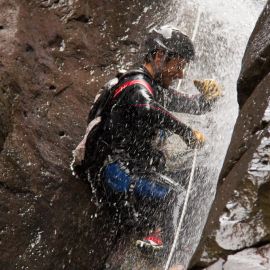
(159,57)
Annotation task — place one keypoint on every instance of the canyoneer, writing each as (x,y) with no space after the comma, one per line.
(129,113)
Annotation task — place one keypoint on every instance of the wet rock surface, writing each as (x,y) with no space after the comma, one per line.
(256,61)
(248,259)
(55,55)
(239,217)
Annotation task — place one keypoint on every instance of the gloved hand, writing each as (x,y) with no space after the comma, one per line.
(198,139)
(209,88)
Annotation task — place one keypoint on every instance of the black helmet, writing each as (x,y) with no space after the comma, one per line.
(172,41)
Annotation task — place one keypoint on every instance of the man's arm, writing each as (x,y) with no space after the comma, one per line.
(179,102)
(152,113)
(209,90)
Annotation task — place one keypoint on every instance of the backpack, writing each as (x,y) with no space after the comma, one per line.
(96,121)
(94,124)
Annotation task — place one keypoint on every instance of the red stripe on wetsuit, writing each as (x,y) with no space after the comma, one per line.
(130,83)
(149,89)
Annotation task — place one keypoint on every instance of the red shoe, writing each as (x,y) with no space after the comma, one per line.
(153,242)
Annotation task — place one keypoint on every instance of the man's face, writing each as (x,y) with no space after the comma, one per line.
(172,70)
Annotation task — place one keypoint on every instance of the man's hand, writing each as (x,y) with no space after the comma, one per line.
(209,88)
(198,139)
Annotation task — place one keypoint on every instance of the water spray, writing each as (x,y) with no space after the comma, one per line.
(193,166)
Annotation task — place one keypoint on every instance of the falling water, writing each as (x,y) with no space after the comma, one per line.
(223,32)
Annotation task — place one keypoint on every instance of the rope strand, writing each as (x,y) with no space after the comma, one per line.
(183,212)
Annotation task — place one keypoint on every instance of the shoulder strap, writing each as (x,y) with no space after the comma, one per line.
(126,84)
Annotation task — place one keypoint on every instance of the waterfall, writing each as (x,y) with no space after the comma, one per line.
(223,32)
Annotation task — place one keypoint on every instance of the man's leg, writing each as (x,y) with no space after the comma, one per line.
(158,224)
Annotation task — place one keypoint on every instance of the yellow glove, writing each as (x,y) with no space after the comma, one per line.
(198,139)
(209,88)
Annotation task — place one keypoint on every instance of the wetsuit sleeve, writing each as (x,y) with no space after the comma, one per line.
(180,102)
(152,113)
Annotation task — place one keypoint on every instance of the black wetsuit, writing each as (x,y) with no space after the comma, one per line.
(133,116)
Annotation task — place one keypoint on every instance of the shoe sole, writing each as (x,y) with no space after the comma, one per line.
(147,247)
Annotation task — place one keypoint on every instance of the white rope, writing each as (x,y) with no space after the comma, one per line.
(195,31)
(197,23)
(183,212)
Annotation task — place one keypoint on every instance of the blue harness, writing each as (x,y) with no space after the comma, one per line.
(117,180)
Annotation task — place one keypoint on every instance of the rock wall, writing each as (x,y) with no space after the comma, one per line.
(54,56)
(248,259)
(240,215)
